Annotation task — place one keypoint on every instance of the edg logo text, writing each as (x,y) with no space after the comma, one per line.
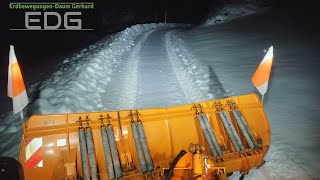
(33,21)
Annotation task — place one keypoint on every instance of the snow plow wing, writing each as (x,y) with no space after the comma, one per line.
(206,140)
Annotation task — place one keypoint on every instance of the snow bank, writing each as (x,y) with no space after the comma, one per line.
(79,83)
(232,11)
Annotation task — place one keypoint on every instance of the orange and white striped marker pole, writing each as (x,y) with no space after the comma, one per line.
(16,88)
(261,77)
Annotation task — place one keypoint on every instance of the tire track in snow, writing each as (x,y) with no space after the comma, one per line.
(123,87)
(192,76)
(198,81)
(190,91)
(157,83)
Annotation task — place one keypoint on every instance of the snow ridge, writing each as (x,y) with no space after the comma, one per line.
(193,76)
(79,84)
(233,11)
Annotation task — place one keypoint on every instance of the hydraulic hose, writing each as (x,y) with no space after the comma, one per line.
(84,155)
(114,152)
(247,128)
(229,132)
(207,136)
(138,147)
(174,163)
(91,152)
(107,152)
(211,134)
(144,146)
(233,130)
(243,130)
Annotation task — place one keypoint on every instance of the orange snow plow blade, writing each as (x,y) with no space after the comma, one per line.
(219,137)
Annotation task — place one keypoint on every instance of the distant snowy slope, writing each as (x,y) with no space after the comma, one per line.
(233,11)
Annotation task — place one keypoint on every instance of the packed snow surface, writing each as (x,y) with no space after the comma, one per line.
(160,65)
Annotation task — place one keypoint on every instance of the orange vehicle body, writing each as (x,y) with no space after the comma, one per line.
(167,130)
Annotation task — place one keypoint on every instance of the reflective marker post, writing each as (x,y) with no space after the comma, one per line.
(23,125)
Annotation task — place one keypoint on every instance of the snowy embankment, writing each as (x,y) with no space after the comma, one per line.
(78,85)
(233,11)
(233,51)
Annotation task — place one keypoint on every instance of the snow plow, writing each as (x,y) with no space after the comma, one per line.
(205,140)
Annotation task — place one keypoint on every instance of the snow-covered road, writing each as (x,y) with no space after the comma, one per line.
(121,91)
(146,78)
(157,83)
(157,73)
